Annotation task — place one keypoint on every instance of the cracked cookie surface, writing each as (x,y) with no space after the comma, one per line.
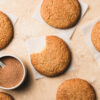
(61,13)
(54,59)
(6,30)
(75,89)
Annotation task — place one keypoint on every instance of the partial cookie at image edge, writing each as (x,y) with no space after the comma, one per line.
(5,96)
(61,14)
(95,36)
(6,30)
(76,88)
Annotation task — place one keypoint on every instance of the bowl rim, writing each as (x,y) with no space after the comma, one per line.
(24,68)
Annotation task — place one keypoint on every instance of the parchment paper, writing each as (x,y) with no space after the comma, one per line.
(86,30)
(13,18)
(69,31)
(31,47)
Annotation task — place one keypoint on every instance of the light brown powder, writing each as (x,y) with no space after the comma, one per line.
(12,73)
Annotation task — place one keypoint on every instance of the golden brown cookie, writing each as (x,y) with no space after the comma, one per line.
(61,13)
(6,30)
(54,59)
(95,36)
(75,89)
(5,96)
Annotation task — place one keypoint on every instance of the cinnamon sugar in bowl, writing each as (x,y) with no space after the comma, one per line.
(13,73)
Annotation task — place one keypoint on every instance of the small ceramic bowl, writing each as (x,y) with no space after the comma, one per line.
(8,55)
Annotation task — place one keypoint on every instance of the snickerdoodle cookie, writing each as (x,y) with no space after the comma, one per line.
(61,13)
(75,89)
(6,30)
(95,36)
(54,59)
(5,96)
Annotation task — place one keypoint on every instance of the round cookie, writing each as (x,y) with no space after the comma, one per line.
(75,89)
(95,36)
(5,96)
(61,13)
(54,59)
(6,30)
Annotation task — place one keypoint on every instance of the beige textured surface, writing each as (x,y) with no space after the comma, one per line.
(84,62)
